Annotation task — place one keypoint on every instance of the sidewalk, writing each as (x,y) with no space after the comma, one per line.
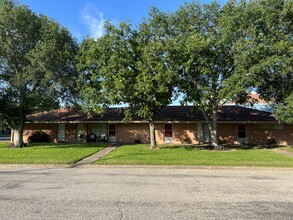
(283,152)
(91,159)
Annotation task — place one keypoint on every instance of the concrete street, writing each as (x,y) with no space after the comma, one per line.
(144,193)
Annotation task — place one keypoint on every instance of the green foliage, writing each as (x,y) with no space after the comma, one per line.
(36,62)
(284,112)
(200,53)
(127,66)
(263,50)
(37,65)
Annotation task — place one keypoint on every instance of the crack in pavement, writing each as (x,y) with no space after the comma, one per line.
(119,208)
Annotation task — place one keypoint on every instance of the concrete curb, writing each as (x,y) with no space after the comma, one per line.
(191,167)
(88,166)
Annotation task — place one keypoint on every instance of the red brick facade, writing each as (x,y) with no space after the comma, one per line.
(182,133)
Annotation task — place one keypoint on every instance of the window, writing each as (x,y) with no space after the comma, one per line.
(112,129)
(277,126)
(241,131)
(61,132)
(98,129)
(270,126)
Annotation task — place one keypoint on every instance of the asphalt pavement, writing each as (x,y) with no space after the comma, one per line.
(144,193)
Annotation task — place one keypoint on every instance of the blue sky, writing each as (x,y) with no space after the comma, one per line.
(86,18)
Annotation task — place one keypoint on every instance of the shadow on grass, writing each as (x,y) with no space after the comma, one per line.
(64,145)
(186,147)
(224,147)
(253,146)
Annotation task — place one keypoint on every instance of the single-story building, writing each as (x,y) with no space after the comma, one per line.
(174,124)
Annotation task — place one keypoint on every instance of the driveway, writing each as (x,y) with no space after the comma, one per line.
(144,193)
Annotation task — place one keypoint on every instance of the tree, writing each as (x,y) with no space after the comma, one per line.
(37,66)
(128,66)
(200,53)
(264,51)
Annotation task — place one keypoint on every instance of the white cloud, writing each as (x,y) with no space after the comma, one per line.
(94,19)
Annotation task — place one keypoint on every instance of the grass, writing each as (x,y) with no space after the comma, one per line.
(193,155)
(47,153)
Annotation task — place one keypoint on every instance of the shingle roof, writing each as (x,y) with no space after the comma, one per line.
(169,113)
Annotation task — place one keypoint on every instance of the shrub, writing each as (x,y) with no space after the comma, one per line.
(38,136)
(271,141)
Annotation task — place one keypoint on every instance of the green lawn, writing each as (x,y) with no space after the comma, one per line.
(190,155)
(47,153)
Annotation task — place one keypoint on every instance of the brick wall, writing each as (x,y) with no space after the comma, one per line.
(70,132)
(182,133)
(227,133)
(128,133)
(50,129)
(261,136)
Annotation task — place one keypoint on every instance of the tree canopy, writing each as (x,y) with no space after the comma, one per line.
(37,68)
(264,50)
(127,66)
(211,53)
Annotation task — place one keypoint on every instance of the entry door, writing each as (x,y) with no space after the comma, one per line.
(80,132)
(242,137)
(112,132)
(168,133)
(61,132)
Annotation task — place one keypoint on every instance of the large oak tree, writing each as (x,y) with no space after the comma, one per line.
(263,51)
(128,66)
(37,67)
(201,57)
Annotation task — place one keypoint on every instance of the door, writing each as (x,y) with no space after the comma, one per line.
(61,132)
(80,132)
(112,132)
(168,133)
(241,134)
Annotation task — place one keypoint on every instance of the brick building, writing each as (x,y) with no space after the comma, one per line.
(175,124)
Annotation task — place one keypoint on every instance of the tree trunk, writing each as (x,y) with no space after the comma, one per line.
(18,134)
(213,129)
(152,134)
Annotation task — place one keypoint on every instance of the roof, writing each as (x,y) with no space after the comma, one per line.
(169,113)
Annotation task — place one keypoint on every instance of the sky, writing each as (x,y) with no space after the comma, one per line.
(86,17)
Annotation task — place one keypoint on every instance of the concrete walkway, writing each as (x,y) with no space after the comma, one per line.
(283,152)
(91,159)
